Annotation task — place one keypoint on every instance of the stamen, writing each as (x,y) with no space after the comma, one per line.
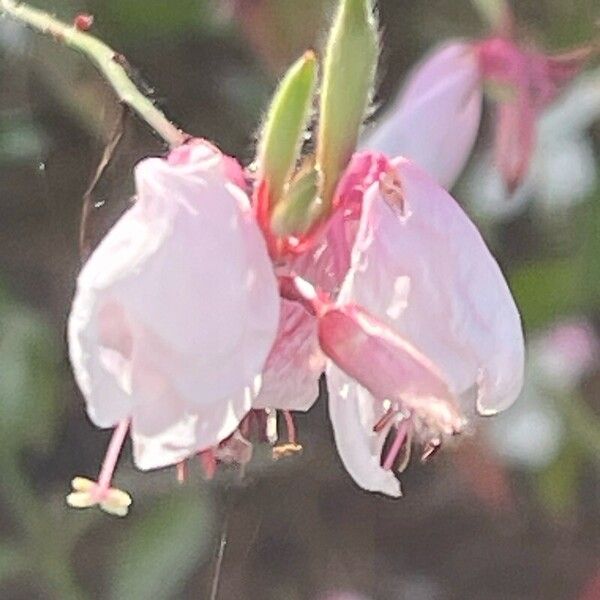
(385,419)
(88,493)
(111,458)
(391,189)
(182,471)
(401,433)
(291,427)
(209,463)
(271,426)
(430,449)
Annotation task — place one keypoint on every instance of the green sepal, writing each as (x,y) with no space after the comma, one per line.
(494,12)
(348,81)
(298,209)
(285,124)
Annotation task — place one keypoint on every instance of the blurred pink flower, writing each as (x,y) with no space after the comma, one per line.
(566,352)
(423,330)
(435,118)
(176,310)
(531,81)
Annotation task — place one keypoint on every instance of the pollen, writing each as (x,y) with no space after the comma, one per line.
(285,450)
(87,493)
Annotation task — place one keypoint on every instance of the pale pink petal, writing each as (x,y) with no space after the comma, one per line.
(291,376)
(326,265)
(186,267)
(353,413)
(381,361)
(166,427)
(435,118)
(515,140)
(425,271)
(373,370)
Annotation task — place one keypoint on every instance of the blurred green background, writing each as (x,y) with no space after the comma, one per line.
(511,513)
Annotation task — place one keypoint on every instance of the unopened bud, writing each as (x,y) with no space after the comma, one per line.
(285,125)
(348,81)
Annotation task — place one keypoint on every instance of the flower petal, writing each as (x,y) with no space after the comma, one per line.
(384,363)
(180,293)
(424,269)
(435,118)
(168,424)
(353,412)
(292,372)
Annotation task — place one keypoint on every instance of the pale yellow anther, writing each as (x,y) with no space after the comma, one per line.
(82,484)
(86,494)
(80,500)
(285,450)
(111,509)
(117,502)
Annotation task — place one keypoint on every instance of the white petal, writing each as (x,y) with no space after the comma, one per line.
(166,427)
(353,412)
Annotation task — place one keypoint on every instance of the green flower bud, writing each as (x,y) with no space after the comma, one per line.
(296,212)
(495,13)
(348,81)
(285,124)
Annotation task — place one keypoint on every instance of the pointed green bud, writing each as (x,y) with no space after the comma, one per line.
(494,12)
(348,81)
(285,124)
(296,212)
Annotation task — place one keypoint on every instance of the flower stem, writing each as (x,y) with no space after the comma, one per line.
(111,64)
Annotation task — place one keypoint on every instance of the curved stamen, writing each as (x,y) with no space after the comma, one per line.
(290,425)
(401,435)
(385,419)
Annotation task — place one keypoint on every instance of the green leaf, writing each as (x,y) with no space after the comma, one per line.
(348,82)
(589,226)
(286,122)
(161,548)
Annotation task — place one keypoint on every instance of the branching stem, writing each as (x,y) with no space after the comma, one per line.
(111,64)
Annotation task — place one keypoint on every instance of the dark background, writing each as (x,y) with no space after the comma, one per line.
(484,520)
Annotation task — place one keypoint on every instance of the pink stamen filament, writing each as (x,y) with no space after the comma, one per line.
(111,457)
(401,433)
(182,471)
(209,463)
(385,419)
(291,427)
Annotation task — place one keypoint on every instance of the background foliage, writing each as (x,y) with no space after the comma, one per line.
(484,521)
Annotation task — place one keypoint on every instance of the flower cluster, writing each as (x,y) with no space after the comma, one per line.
(214,301)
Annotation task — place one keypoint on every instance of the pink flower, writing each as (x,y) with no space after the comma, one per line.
(295,364)
(423,331)
(566,352)
(531,81)
(177,309)
(435,119)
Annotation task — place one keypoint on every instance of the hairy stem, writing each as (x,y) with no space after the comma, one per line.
(111,64)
